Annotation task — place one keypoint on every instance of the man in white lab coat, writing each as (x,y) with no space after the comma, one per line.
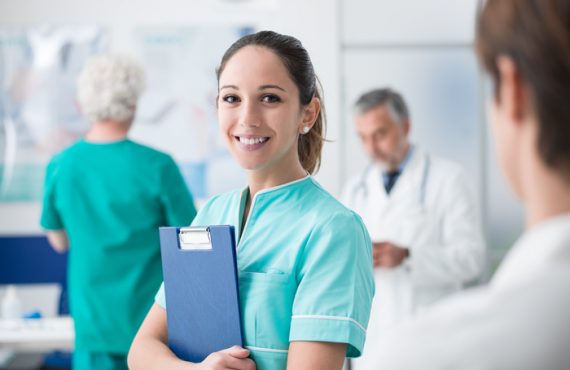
(521,320)
(419,213)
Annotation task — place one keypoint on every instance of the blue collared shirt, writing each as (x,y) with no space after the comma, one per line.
(400,170)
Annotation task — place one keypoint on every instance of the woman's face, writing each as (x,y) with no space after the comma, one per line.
(259,111)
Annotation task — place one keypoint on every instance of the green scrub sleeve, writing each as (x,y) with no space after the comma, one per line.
(178,206)
(336,285)
(50,218)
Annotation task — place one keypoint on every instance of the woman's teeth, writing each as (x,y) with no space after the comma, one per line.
(253,140)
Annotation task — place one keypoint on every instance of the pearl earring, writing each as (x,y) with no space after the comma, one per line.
(306,129)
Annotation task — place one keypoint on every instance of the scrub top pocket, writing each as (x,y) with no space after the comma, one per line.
(266,303)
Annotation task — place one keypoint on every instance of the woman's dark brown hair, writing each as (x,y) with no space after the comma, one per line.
(300,69)
(535,34)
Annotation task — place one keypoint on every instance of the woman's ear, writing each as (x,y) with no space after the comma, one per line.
(512,94)
(310,114)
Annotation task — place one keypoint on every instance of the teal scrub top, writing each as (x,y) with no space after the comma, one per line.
(110,198)
(304,268)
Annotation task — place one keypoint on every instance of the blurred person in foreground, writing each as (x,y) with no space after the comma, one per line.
(520,320)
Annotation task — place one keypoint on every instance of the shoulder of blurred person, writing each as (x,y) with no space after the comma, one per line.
(446,177)
(519,326)
(442,176)
(518,321)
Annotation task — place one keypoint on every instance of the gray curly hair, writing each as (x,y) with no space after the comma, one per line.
(109,87)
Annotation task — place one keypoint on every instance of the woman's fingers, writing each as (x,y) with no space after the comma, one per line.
(234,358)
(236,351)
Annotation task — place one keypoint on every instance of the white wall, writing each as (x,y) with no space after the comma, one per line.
(20,218)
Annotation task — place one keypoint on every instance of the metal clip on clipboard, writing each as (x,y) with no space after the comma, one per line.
(195,238)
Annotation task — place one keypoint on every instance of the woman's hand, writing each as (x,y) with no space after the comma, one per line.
(234,358)
(150,350)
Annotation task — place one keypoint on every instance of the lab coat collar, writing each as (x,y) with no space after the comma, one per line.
(546,244)
(405,161)
(409,178)
(386,175)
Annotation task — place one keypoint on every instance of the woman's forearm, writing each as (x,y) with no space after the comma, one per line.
(316,356)
(150,354)
(149,350)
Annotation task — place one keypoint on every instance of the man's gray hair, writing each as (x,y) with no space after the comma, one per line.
(109,87)
(385,96)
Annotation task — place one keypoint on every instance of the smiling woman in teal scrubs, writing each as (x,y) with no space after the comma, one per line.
(304,260)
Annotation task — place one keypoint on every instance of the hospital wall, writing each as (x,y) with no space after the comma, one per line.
(424,49)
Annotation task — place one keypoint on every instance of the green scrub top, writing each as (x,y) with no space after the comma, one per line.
(304,266)
(110,199)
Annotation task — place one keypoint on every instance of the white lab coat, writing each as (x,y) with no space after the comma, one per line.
(431,212)
(521,320)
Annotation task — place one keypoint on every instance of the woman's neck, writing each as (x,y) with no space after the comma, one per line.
(260,180)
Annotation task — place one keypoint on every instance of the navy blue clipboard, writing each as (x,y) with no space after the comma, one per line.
(201,290)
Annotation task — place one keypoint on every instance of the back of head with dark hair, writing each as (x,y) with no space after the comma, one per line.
(300,68)
(535,34)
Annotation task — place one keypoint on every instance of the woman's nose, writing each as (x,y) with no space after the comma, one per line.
(249,115)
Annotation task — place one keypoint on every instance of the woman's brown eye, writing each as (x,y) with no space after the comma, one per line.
(271,98)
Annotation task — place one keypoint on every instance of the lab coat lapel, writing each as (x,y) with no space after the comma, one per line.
(408,184)
(376,206)
(400,205)
(378,195)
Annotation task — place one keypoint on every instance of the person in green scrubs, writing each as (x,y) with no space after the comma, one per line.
(104,199)
(304,260)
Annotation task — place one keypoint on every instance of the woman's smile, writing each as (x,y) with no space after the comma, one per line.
(251,142)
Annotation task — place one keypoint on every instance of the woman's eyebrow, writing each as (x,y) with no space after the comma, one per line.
(264,87)
(229,87)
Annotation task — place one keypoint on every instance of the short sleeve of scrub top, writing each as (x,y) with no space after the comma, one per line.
(333,298)
(50,218)
(178,205)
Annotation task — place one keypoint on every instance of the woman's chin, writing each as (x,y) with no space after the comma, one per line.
(252,166)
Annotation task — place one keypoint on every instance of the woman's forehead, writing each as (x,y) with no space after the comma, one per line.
(257,65)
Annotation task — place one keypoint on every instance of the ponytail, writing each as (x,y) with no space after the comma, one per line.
(310,145)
